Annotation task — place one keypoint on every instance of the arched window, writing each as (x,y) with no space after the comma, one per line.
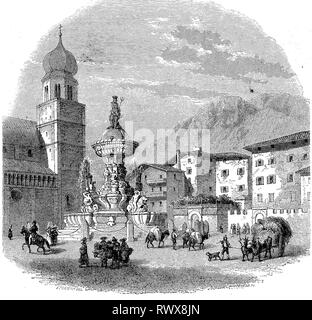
(44,181)
(69,201)
(69,90)
(57,90)
(30,154)
(4,149)
(46,93)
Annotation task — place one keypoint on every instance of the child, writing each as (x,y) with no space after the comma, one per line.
(10,232)
(84,259)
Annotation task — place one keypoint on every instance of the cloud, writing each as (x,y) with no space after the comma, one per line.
(164,90)
(221,59)
(176,64)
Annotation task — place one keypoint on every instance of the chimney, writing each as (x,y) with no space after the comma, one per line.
(178,159)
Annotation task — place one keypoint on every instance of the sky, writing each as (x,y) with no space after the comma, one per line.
(166,58)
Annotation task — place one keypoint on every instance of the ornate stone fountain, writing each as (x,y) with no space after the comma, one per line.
(105,210)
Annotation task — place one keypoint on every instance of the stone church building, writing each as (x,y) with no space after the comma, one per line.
(42,158)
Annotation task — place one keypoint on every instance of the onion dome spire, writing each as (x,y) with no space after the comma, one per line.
(60,59)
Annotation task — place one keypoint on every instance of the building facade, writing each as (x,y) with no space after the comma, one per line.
(275,183)
(229,175)
(41,160)
(305,187)
(162,185)
(194,164)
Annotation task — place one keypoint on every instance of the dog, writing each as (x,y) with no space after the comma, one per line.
(214,255)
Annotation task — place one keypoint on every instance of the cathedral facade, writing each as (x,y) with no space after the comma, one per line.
(42,158)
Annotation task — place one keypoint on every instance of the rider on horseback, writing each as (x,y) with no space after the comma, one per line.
(33,232)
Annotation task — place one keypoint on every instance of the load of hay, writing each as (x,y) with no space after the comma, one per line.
(275,227)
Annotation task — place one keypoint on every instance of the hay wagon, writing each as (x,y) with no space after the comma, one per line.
(275,227)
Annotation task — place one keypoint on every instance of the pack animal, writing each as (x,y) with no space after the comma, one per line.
(197,238)
(156,235)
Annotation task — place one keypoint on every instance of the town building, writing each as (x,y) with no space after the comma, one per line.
(41,160)
(161,184)
(194,164)
(229,175)
(275,162)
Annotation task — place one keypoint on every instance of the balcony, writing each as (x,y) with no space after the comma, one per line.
(156,180)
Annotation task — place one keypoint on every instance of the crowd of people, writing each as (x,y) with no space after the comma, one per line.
(104,244)
(236,229)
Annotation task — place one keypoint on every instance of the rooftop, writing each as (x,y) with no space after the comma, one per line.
(297,136)
(20,132)
(232,155)
(12,165)
(162,167)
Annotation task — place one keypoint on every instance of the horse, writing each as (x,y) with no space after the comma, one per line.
(156,235)
(197,237)
(245,248)
(39,241)
(105,253)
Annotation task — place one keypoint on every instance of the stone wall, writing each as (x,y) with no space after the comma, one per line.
(28,203)
(215,216)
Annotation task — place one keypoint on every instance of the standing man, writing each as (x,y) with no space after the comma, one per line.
(174,237)
(84,258)
(10,232)
(116,245)
(238,230)
(103,243)
(225,247)
(123,245)
(268,246)
(221,228)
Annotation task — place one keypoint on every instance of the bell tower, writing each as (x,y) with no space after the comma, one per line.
(61,122)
